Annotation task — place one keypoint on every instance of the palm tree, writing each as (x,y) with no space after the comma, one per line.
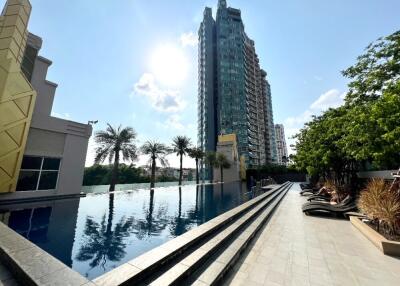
(157,151)
(197,154)
(222,163)
(181,145)
(111,142)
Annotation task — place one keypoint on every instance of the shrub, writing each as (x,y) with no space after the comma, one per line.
(381,204)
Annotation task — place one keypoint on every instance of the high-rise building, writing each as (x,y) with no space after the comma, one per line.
(281,144)
(234,94)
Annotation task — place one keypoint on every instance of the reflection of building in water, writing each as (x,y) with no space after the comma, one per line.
(214,199)
(50,225)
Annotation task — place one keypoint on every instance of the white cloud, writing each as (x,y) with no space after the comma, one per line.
(172,122)
(332,98)
(189,39)
(161,100)
(298,120)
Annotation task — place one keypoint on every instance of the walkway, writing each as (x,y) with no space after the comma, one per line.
(294,249)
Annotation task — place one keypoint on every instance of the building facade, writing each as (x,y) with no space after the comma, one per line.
(281,144)
(53,158)
(234,95)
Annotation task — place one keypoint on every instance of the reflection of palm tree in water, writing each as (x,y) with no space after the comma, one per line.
(102,242)
(181,224)
(152,225)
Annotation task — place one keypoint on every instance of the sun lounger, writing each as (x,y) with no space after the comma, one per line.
(318,198)
(309,191)
(305,186)
(328,208)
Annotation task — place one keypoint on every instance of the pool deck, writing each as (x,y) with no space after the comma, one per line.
(295,249)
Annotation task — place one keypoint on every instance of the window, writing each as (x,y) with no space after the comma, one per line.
(38,173)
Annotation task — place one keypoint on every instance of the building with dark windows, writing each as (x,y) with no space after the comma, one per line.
(234,96)
(281,144)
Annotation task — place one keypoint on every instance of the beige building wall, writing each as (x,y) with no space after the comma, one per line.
(227,146)
(53,137)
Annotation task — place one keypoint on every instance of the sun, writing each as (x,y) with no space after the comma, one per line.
(169,65)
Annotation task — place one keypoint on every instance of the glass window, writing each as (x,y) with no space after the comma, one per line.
(27,180)
(31,163)
(38,173)
(51,164)
(48,180)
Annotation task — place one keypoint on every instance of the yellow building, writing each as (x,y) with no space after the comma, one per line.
(17,97)
(41,156)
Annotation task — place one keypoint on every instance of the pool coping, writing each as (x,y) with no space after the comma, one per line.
(30,265)
(141,266)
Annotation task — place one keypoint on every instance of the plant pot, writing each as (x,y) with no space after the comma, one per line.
(388,247)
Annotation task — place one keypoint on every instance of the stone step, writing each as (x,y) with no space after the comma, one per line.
(154,262)
(188,265)
(214,273)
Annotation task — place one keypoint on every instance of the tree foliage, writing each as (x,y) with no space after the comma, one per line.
(366,129)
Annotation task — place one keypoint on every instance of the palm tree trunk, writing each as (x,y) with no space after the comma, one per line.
(150,215)
(114,175)
(197,171)
(222,174)
(180,170)
(110,214)
(153,173)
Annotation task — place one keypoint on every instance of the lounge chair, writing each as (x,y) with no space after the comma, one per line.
(319,198)
(312,191)
(347,205)
(305,186)
(348,199)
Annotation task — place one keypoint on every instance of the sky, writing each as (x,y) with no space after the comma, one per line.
(134,62)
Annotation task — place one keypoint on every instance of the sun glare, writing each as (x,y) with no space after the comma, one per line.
(169,65)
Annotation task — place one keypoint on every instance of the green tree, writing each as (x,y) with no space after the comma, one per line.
(156,151)
(181,145)
(376,71)
(366,128)
(111,143)
(197,154)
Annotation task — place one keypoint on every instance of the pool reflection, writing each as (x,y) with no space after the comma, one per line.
(97,233)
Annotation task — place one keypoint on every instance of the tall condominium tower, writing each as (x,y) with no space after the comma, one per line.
(281,144)
(234,94)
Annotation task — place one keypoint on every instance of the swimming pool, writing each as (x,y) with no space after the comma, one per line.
(99,232)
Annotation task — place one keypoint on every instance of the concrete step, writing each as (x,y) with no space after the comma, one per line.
(214,273)
(247,225)
(157,261)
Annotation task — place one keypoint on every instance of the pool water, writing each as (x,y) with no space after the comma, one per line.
(99,232)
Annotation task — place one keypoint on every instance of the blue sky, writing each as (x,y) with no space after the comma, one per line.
(107,57)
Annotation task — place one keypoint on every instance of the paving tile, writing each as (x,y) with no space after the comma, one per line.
(171,275)
(36,263)
(63,277)
(325,251)
(212,272)
(117,275)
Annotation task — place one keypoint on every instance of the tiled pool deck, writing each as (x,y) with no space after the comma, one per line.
(295,249)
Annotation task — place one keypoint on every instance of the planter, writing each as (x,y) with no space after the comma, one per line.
(388,247)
